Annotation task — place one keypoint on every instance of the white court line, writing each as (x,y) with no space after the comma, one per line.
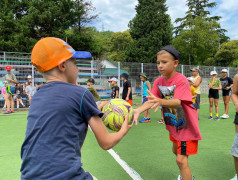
(130,171)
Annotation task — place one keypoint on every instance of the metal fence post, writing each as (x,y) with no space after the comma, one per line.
(92,67)
(182,70)
(119,80)
(32,75)
(4,56)
(228,73)
(214,68)
(141,89)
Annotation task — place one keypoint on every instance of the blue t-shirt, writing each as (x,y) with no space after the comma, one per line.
(56,129)
(145,88)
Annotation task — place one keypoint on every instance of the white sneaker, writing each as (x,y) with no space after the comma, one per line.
(225,116)
(180,178)
(234,178)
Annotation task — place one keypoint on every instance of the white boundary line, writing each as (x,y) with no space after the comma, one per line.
(130,171)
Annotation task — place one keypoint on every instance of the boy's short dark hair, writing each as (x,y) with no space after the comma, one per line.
(91,80)
(174,52)
(125,75)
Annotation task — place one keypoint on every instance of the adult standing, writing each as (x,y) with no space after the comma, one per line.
(197,84)
(10,90)
(227,84)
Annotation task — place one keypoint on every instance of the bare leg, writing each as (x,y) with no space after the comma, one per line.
(12,103)
(198,110)
(18,103)
(7,99)
(182,162)
(211,105)
(148,113)
(216,106)
(227,101)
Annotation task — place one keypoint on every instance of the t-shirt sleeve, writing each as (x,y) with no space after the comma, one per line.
(183,91)
(155,90)
(230,81)
(14,77)
(128,84)
(88,107)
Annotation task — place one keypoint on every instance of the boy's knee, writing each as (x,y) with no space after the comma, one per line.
(181,161)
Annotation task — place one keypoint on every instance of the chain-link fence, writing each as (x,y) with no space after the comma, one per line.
(101,71)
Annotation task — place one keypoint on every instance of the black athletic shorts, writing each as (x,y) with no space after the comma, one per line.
(213,93)
(197,102)
(226,92)
(236,119)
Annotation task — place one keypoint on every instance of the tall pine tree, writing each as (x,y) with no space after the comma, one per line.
(198,8)
(150,29)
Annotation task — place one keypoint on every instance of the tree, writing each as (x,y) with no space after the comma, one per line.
(32,19)
(198,8)
(120,41)
(228,54)
(198,42)
(150,29)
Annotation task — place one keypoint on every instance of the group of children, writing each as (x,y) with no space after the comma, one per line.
(56,131)
(13,90)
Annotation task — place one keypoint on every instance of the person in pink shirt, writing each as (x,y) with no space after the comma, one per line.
(172,94)
(3,92)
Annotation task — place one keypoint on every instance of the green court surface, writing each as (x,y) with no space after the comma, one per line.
(146,149)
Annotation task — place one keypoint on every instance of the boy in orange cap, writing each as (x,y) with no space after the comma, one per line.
(59,116)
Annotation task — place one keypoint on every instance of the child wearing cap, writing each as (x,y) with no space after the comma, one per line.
(3,92)
(91,88)
(10,90)
(227,84)
(172,93)
(197,85)
(146,86)
(127,91)
(193,90)
(214,86)
(115,88)
(59,116)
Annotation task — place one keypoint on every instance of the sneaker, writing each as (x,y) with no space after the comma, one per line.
(217,118)
(143,120)
(225,116)
(12,111)
(210,118)
(180,178)
(7,112)
(235,177)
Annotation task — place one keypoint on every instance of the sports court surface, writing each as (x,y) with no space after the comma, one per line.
(146,149)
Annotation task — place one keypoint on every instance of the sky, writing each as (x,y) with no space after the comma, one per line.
(114,15)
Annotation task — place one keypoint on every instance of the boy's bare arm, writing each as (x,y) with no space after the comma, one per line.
(105,139)
(128,93)
(117,94)
(198,81)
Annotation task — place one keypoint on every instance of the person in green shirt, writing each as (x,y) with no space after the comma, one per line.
(90,83)
(214,86)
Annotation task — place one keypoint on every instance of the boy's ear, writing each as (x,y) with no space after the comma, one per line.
(176,63)
(62,66)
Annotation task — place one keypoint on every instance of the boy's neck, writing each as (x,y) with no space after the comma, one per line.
(171,75)
(125,80)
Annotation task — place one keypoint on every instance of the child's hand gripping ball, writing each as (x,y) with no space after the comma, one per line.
(115,112)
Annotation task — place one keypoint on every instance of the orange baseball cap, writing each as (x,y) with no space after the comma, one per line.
(49,52)
(8,68)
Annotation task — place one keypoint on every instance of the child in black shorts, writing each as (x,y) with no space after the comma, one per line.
(214,86)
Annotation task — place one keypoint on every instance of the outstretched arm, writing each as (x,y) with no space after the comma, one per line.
(105,139)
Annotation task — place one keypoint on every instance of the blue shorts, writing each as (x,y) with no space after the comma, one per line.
(10,90)
(144,99)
